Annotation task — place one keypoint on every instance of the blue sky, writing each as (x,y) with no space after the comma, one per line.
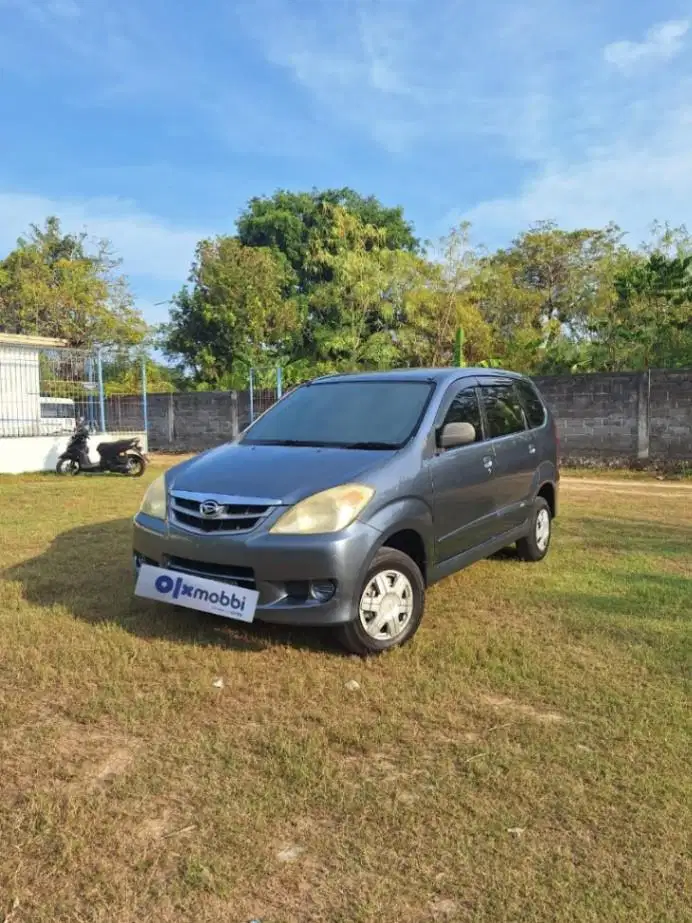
(152,122)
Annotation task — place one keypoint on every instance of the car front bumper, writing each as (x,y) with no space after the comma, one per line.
(292,573)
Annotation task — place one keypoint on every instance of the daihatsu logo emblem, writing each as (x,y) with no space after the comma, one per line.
(210,509)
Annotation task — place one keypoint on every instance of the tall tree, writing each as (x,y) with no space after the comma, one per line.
(307,229)
(353,317)
(539,294)
(439,301)
(650,321)
(53,285)
(233,313)
(299,223)
(122,374)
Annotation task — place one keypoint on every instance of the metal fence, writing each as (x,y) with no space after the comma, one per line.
(265,387)
(44,390)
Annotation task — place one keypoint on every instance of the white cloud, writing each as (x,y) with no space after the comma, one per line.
(351,59)
(661,43)
(148,246)
(532,85)
(131,56)
(630,181)
(409,74)
(605,149)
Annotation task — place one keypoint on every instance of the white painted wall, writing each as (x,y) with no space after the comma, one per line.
(40,453)
(20,411)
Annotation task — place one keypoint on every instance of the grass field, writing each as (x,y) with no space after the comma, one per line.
(526,758)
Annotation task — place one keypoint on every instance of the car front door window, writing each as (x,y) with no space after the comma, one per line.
(465,409)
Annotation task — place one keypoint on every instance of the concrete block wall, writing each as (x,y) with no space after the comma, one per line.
(670,415)
(187,422)
(597,415)
(622,417)
(606,418)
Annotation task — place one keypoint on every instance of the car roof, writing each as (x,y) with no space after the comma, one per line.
(433,375)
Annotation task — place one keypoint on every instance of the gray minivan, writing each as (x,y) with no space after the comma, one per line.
(350,496)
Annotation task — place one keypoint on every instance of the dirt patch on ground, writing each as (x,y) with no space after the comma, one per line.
(115,764)
(519,708)
(155,828)
(638,488)
(87,759)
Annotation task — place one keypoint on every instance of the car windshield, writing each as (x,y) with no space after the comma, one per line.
(348,414)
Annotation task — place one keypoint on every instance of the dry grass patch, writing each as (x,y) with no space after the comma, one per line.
(523,759)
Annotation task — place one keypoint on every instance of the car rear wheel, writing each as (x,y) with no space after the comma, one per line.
(390,606)
(534,546)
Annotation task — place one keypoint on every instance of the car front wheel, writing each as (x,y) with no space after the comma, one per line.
(390,606)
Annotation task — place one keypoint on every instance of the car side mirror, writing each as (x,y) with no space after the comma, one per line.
(454,435)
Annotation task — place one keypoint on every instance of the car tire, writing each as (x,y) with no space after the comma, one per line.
(535,545)
(389,606)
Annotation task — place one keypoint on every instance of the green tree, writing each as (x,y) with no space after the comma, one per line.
(233,314)
(122,374)
(540,294)
(308,282)
(298,224)
(438,302)
(52,285)
(354,315)
(650,321)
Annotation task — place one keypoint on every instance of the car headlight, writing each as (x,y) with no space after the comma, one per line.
(328,511)
(154,501)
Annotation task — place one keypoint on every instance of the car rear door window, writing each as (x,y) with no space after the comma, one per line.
(503,410)
(533,405)
(465,409)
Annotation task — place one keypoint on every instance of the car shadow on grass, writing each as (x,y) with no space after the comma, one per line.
(88,571)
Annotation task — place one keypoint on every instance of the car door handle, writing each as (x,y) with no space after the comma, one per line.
(532,450)
(488,463)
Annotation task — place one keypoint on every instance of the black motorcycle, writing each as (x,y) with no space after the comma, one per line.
(124,456)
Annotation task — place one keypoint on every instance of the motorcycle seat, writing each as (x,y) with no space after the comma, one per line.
(115,448)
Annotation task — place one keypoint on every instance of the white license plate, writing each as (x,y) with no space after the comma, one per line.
(170,586)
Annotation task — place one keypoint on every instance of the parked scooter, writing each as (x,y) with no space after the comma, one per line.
(124,456)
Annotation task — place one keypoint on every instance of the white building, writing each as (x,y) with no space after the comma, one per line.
(35,427)
(20,383)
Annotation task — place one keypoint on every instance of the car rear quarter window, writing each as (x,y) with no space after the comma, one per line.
(533,405)
(465,409)
(503,410)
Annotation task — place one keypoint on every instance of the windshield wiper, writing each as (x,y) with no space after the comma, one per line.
(369,445)
(315,444)
(300,443)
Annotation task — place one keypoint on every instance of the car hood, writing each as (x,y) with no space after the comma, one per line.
(286,474)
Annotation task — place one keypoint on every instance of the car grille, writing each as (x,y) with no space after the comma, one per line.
(231,515)
(227,573)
